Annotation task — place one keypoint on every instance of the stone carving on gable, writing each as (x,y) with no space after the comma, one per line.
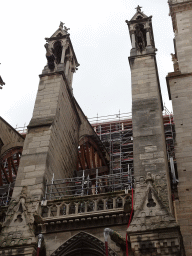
(150,209)
(18,227)
(140,37)
(61,25)
(50,57)
(66,29)
(151,202)
(138,8)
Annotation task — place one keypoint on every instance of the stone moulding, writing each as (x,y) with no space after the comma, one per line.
(85,241)
(83,212)
(82,223)
(153,229)
(174,75)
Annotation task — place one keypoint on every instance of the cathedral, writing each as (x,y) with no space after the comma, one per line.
(71,187)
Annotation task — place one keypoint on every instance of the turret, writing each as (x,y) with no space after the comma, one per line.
(141,33)
(60,54)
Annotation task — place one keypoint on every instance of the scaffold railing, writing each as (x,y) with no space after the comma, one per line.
(21,130)
(82,186)
(110,118)
(6,194)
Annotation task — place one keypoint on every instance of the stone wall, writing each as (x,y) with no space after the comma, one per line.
(183,38)
(181,94)
(52,141)
(149,148)
(63,147)
(85,127)
(54,240)
(9,136)
(178,1)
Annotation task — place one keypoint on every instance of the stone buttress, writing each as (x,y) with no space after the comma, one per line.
(153,228)
(51,145)
(180,92)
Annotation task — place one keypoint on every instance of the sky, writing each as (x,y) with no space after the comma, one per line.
(101,41)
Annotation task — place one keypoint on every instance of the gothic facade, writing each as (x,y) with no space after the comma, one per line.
(59,194)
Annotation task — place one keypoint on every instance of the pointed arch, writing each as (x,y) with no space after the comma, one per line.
(58,51)
(82,244)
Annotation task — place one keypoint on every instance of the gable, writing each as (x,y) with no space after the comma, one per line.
(139,15)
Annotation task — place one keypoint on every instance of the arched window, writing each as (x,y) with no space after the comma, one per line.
(141,40)
(58,51)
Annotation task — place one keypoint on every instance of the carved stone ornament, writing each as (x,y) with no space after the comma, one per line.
(83,241)
(140,37)
(151,202)
(66,29)
(73,70)
(19,223)
(138,8)
(50,57)
(61,25)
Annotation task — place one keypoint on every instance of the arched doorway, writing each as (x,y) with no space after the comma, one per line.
(82,244)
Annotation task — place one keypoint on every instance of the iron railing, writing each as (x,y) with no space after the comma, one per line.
(82,186)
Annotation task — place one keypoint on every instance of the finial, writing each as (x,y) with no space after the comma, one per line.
(61,25)
(66,29)
(138,8)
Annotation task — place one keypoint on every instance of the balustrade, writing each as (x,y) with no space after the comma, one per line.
(86,205)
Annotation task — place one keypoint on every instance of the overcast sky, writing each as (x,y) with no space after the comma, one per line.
(101,41)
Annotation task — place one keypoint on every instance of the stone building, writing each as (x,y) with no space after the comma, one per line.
(59,179)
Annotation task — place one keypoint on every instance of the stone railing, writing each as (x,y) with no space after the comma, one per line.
(85,206)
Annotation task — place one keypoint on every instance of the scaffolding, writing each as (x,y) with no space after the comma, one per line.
(9,165)
(82,186)
(116,134)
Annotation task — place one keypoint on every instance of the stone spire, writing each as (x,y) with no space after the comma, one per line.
(60,54)
(152,197)
(141,33)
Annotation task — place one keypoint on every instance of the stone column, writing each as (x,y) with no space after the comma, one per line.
(67,66)
(133,39)
(65,45)
(148,38)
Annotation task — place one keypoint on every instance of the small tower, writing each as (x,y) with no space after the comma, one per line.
(60,54)
(50,146)
(141,33)
(152,195)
